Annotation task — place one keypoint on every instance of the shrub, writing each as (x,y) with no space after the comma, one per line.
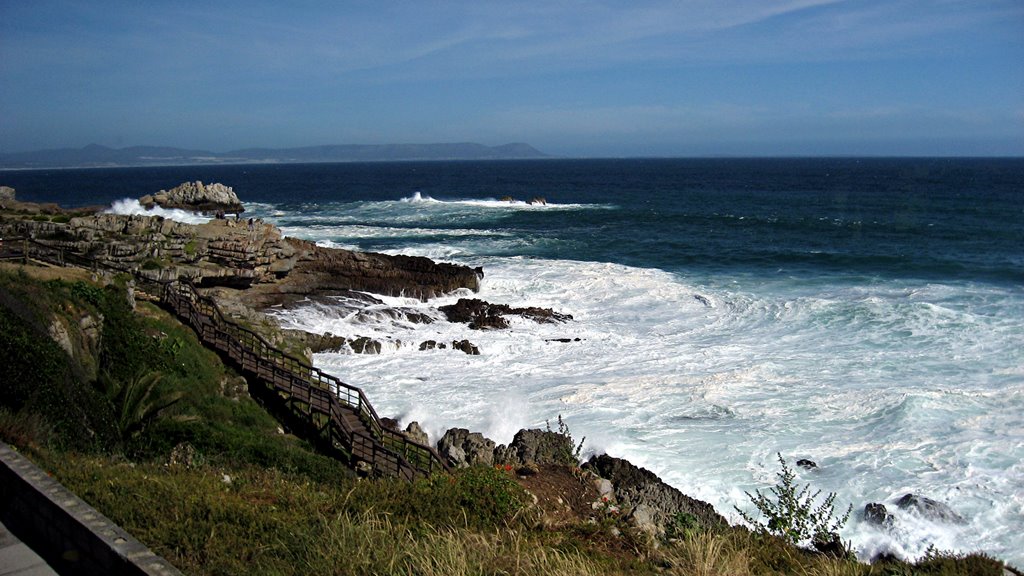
(572,455)
(792,514)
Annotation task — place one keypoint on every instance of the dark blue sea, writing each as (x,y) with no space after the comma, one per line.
(867,314)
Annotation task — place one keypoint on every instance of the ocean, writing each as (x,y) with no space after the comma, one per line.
(866,314)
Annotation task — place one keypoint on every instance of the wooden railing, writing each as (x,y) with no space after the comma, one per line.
(326,401)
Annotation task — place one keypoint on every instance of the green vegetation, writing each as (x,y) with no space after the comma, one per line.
(151,428)
(792,515)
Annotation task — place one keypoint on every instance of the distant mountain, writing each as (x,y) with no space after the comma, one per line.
(96,156)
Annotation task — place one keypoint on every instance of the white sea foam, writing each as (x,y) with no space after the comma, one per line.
(704,391)
(892,387)
(129,206)
(493,203)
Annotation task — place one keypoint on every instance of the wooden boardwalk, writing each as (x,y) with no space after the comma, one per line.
(340,413)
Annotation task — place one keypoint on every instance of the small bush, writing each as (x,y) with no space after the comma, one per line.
(792,515)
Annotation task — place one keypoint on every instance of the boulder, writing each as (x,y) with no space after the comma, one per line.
(197,197)
(463,448)
(636,487)
(7,194)
(930,509)
(807,464)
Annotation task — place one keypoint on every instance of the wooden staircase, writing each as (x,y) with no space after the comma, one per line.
(340,413)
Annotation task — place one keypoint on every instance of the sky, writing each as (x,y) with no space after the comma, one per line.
(572,78)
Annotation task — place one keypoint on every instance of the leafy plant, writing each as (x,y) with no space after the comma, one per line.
(790,512)
(134,402)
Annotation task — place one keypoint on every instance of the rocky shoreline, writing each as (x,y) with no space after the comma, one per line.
(248,266)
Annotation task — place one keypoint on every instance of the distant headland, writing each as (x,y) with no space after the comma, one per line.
(96,156)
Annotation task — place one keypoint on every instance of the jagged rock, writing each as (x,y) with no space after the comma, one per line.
(466,346)
(538,200)
(878,515)
(537,446)
(806,464)
(390,424)
(463,448)
(930,509)
(507,199)
(481,315)
(197,197)
(415,433)
(7,194)
(432,344)
(636,486)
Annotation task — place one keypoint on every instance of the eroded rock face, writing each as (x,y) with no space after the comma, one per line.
(635,487)
(7,194)
(197,197)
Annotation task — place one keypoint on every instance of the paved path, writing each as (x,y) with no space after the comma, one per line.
(17,559)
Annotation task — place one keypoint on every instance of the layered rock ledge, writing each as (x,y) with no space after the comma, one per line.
(271,268)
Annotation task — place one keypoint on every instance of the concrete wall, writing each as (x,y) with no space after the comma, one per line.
(68,533)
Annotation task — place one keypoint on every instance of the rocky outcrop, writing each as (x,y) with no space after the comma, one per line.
(197,197)
(481,315)
(7,194)
(537,447)
(462,448)
(643,492)
(416,433)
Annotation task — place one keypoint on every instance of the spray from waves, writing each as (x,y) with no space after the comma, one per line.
(130,206)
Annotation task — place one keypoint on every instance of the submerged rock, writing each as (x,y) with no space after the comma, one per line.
(466,346)
(807,464)
(481,315)
(878,515)
(930,509)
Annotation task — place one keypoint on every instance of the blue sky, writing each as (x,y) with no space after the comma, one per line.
(685,78)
